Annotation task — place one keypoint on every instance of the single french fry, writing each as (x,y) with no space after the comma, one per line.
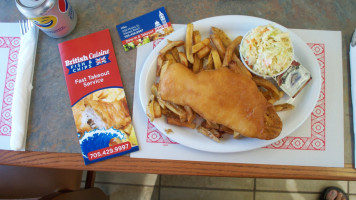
(159,65)
(222,35)
(207,133)
(183,59)
(272,100)
(167,112)
(225,129)
(209,125)
(210,63)
(175,54)
(234,55)
(230,50)
(150,110)
(196,64)
(233,66)
(237,135)
(177,122)
(284,107)
(157,109)
(177,110)
(225,39)
(267,85)
(281,94)
(190,114)
(238,68)
(243,68)
(196,36)
(154,90)
(218,44)
(216,58)
(267,94)
(189,43)
(164,68)
(171,45)
(200,45)
(216,133)
(203,52)
(201,64)
(197,47)
(170,58)
(161,103)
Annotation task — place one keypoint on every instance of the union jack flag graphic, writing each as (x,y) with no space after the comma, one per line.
(100,61)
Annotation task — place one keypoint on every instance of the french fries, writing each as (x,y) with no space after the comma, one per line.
(215,51)
(170,58)
(175,54)
(190,114)
(196,36)
(230,50)
(203,52)
(218,44)
(164,67)
(178,122)
(216,58)
(208,133)
(210,62)
(171,45)
(150,109)
(157,109)
(222,35)
(196,64)
(159,64)
(224,38)
(183,59)
(267,85)
(200,45)
(284,107)
(238,68)
(189,43)
(154,90)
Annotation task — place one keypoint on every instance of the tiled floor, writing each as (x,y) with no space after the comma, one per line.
(161,187)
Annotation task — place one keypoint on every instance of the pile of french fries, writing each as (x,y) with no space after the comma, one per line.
(198,54)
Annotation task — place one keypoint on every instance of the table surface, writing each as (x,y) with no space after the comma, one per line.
(52,140)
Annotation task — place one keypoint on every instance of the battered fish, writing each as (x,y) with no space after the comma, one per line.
(223,97)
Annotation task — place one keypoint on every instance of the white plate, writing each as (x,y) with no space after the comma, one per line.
(235,25)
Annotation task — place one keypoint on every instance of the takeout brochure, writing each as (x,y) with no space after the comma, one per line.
(144,29)
(90,65)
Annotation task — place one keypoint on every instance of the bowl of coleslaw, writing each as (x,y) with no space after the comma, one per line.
(266,51)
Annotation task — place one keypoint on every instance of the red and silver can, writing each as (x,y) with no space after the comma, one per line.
(54,17)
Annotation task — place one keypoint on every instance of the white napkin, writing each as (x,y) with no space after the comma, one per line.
(23,87)
(353,85)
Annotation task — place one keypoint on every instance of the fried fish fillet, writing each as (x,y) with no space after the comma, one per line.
(222,97)
(102,109)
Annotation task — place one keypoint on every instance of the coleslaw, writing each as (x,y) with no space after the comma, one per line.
(267,50)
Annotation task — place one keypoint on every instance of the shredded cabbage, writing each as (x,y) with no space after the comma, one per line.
(267,50)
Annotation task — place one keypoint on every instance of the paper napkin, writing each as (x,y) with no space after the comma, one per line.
(23,87)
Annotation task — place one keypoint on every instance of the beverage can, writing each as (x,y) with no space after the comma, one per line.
(56,18)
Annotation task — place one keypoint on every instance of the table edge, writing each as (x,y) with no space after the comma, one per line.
(75,161)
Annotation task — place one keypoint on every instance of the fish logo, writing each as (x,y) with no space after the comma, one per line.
(45,22)
(63,5)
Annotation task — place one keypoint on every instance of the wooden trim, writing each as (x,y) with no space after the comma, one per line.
(154,166)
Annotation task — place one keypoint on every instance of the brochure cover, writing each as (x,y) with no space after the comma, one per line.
(97,97)
(144,29)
